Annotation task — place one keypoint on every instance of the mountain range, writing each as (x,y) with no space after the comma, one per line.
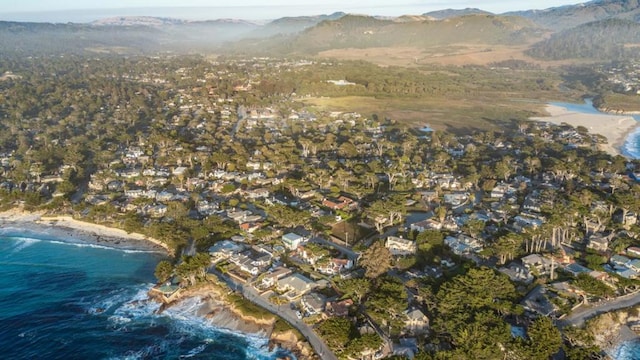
(535,34)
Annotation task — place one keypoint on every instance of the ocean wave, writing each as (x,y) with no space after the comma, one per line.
(631,147)
(190,333)
(23,243)
(629,350)
(18,233)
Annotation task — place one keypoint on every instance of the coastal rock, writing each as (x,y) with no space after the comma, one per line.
(208,301)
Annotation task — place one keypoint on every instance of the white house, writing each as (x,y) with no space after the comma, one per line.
(400,246)
(291,241)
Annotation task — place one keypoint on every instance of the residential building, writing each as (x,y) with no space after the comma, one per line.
(291,241)
(399,246)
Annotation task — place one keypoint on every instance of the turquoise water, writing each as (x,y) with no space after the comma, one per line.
(74,301)
(627,351)
(631,147)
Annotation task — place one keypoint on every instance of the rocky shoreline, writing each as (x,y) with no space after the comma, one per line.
(612,330)
(213,306)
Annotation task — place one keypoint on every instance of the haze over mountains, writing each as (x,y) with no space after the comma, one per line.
(595,30)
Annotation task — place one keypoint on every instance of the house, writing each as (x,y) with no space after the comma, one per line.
(576,269)
(524,220)
(291,241)
(598,243)
(430,224)
(502,190)
(619,260)
(633,251)
(338,308)
(224,249)
(251,261)
(456,199)
(259,193)
(537,301)
(271,278)
(295,285)
(416,321)
(341,203)
(537,264)
(334,266)
(399,246)
(313,303)
(518,273)
(463,245)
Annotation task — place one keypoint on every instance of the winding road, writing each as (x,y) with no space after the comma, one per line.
(282,311)
(578,317)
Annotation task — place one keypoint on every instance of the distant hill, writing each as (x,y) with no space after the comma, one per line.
(292,25)
(451,13)
(609,39)
(570,16)
(122,35)
(360,32)
(137,21)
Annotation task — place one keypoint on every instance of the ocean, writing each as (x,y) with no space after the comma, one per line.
(631,147)
(72,301)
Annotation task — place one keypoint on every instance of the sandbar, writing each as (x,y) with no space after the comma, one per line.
(615,128)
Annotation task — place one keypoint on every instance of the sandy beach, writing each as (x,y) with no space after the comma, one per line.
(67,229)
(614,127)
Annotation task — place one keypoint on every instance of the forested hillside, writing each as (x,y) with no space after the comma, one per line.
(602,40)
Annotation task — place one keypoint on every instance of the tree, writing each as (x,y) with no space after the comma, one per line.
(376,260)
(387,302)
(544,339)
(337,332)
(163,271)
(287,216)
(354,288)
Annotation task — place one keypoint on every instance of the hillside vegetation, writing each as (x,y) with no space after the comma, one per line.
(601,40)
(570,16)
(360,32)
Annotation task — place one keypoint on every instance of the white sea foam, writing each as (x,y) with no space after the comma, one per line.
(126,310)
(23,243)
(631,147)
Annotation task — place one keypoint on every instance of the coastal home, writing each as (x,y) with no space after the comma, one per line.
(400,247)
(295,286)
(224,249)
(313,303)
(338,308)
(272,277)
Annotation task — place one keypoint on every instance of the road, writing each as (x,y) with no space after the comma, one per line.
(578,317)
(282,311)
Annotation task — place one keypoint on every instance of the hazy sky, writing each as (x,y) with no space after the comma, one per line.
(68,10)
